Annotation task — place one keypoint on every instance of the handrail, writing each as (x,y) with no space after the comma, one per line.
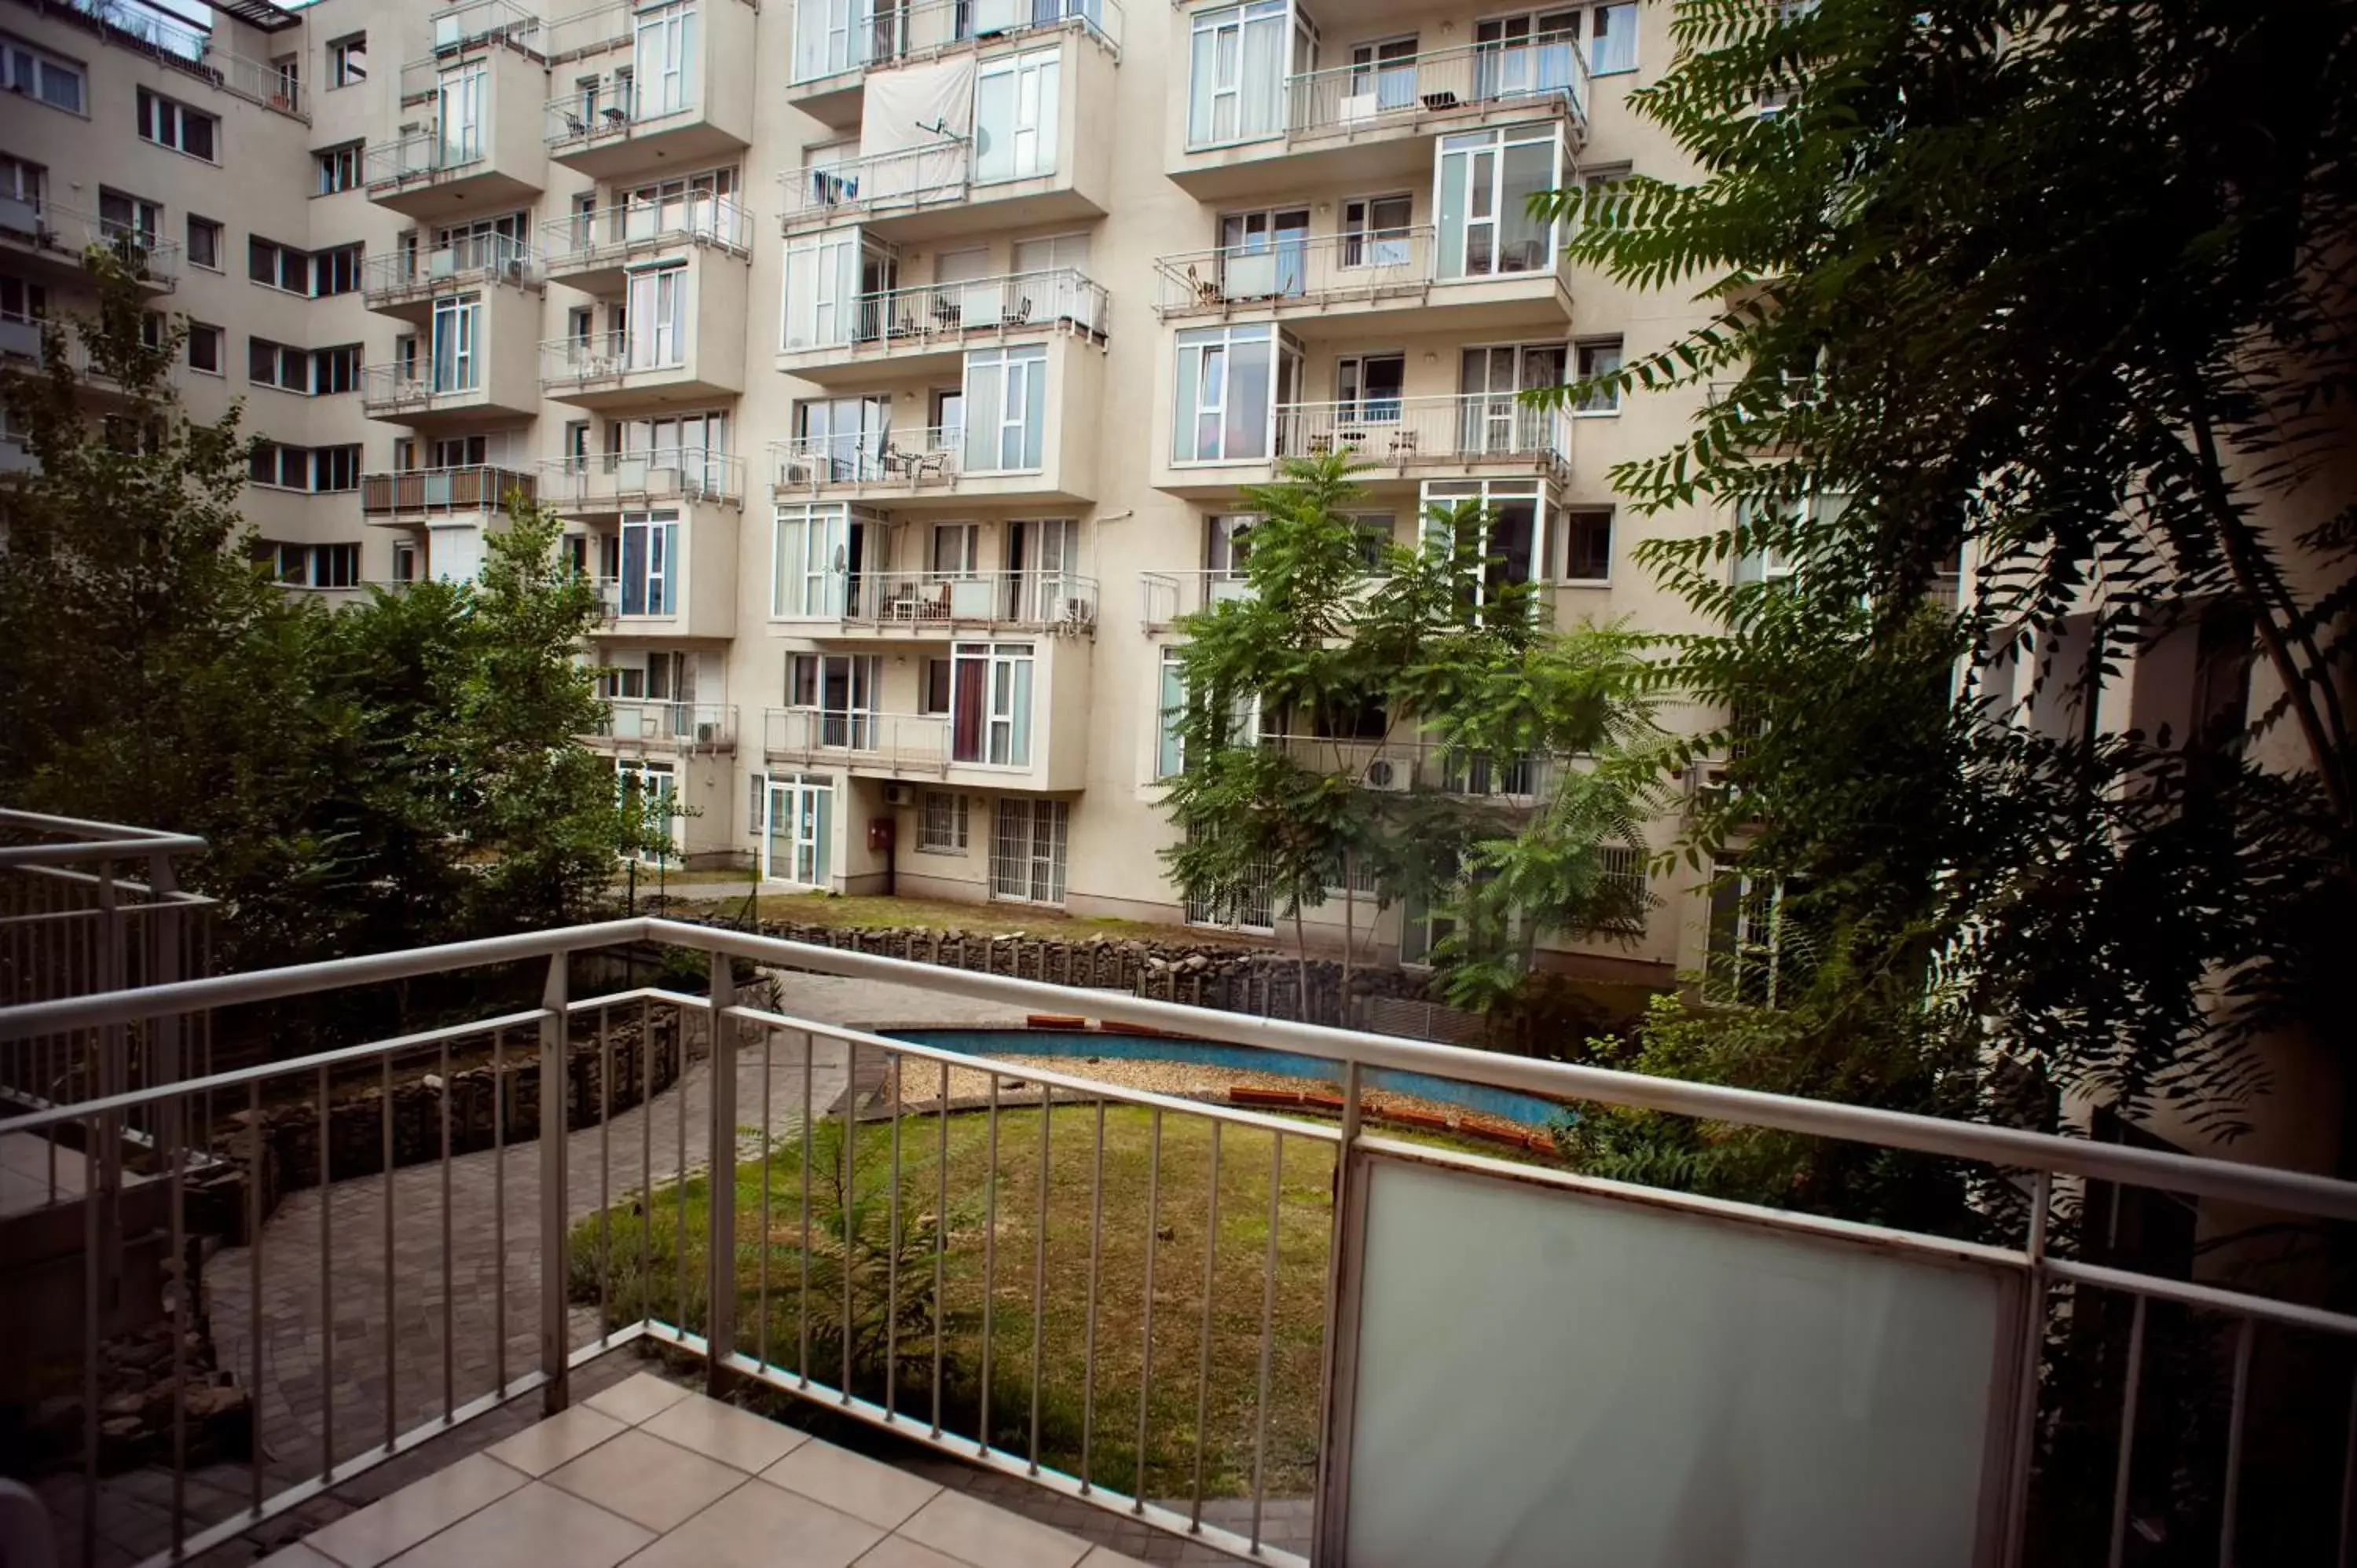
(935,454)
(659,473)
(1058,599)
(930,27)
(473,258)
(653,719)
(420,154)
(1543,74)
(923,176)
(193,51)
(624,228)
(472,486)
(147,255)
(919,315)
(896,739)
(1407,431)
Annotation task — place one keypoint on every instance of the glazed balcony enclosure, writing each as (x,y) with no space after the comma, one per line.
(596,249)
(963,144)
(471,359)
(476,101)
(633,87)
(836,332)
(839,44)
(1265,101)
(405,282)
(666,563)
(674,333)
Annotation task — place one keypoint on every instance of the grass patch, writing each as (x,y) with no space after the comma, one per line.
(644,1249)
(876,913)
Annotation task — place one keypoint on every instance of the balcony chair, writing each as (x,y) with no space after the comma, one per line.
(1404,447)
(1206,291)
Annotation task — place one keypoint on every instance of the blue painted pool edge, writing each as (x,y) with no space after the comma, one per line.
(1512,1105)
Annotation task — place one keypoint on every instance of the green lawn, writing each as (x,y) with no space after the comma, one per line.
(1237,1289)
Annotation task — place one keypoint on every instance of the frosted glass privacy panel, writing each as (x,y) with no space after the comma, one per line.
(1548,1377)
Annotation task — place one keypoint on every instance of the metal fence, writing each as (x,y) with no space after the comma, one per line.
(1142,1300)
(1409,431)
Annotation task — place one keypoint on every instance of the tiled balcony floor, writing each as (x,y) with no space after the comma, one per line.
(653,1474)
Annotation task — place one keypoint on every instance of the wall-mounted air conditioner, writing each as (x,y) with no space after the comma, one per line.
(1389,775)
(900,794)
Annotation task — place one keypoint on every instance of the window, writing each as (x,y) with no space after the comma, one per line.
(205,347)
(650,563)
(1170,745)
(934,696)
(347,60)
(457,326)
(1747,961)
(336,469)
(1612,39)
(1026,851)
(460,94)
(1006,409)
(335,369)
(1014,117)
(942,822)
(661,77)
(1376,231)
(1235,85)
(1525,55)
(281,468)
(656,331)
(339,168)
(128,221)
(1384,68)
(956,549)
(29,72)
(1515,532)
(1481,217)
(1221,412)
(335,565)
(1492,416)
(945,413)
(170,124)
(1265,254)
(816,548)
(1367,387)
(335,272)
(269,364)
(274,266)
(990,703)
(405,561)
(152,329)
(838,692)
(1588,545)
(205,243)
(1600,356)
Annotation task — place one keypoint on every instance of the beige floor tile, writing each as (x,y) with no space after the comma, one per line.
(637,1398)
(762,1527)
(544,1445)
(296,1556)
(987,1537)
(392,1525)
(657,1483)
(535,1526)
(898,1551)
(1106,1557)
(852,1482)
(722,1432)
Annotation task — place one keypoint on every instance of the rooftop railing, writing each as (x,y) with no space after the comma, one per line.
(609,481)
(928,28)
(1546,77)
(430,491)
(618,230)
(468,262)
(927,175)
(193,52)
(1468,430)
(1309,1286)
(924,315)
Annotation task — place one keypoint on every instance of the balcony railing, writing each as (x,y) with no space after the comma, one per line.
(927,175)
(67,231)
(931,456)
(431,491)
(944,600)
(926,314)
(614,104)
(1324,270)
(930,27)
(1907,1394)
(420,154)
(15,458)
(457,27)
(1165,597)
(689,725)
(889,740)
(609,481)
(476,260)
(586,33)
(1415,763)
(398,386)
(615,232)
(603,357)
(193,52)
(1408,432)
(1351,99)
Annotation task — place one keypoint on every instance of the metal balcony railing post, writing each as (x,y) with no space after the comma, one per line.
(554,1270)
(720,1182)
(1337,1373)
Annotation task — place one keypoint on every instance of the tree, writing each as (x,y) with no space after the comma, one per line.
(2063,292)
(1427,658)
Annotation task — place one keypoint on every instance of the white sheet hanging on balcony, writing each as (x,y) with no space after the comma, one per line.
(914,129)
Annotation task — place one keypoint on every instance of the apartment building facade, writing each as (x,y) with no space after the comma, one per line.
(896,367)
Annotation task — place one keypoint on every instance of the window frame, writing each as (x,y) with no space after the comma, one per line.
(153,109)
(281,355)
(341,55)
(1198,343)
(1581,349)
(1568,520)
(218,337)
(956,808)
(17,53)
(219,231)
(339,168)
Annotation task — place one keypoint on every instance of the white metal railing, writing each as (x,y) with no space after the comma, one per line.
(1953,1339)
(614,104)
(1402,432)
(409,386)
(1543,77)
(621,229)
(193,51)
(1056,599)
(688,725)
(935,456)
(594,31)
(473,260)
(1165,597)
(603,355)
(926,315)
(1404,763)
(421,155)
(1324,269)
(924,29)
(890,740)
(609,481)
(465,487)
(927,175)
(149,257)
(460,28)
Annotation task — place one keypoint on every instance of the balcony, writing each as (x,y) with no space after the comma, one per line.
(464,29)
(591,250)
(638,726)
(678,564)
(46,242)
(191,52)
(417,496)
(1399,438)
(480,150)
(650,86)
(927,328)
(491,385)
(405,283)
(1847,1393)
(937,605)
(606,485)
(1328,285)
(866,743)
(1399,764)
(1166,599)
(1358,125)
(832,55)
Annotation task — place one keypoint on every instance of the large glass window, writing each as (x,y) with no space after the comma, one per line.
(815,554)
(990,703)
(822,289)
(828,37)
(1006,409)
(457,328)
(657,316)
(1265,255)
(464,92)
(844,439)
(650,563)
(1514,537)
(1223,407)
(1525,54)
(1481,200)
(1493,420)
(1236,75)
(1014,117)
(663,79)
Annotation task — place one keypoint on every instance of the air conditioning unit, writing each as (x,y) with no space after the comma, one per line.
(707,735)
(1389,775)
(900,794)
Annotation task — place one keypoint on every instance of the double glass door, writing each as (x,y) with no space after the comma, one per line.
(1493,420)
(1043,559)
(797,832)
